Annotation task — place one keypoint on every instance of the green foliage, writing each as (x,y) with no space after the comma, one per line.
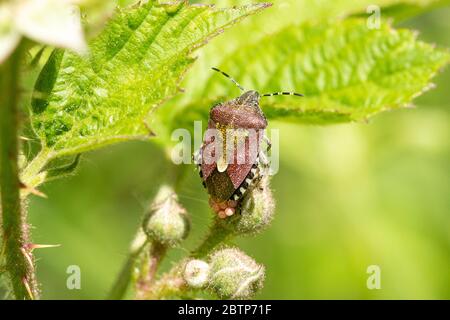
(64,170)
(347,72)
(83,102)
(299,11)
(402,10)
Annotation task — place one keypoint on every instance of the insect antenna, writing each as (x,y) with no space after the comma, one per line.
(282,94)
(229,77)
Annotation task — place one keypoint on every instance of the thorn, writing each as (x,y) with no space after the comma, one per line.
(27,257)
(25,138)
(27,286)
(32,190)
(38,193)
(151,133)
(32,246)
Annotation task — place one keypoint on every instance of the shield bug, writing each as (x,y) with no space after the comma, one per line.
(231,159)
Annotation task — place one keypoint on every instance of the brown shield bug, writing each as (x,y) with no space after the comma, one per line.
(231,160)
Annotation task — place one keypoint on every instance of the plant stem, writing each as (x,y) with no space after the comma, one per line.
(122,282)
(172,283)
(30,175)
(150,265)
(148,268)
(19,260)
(216,235)
(154,255)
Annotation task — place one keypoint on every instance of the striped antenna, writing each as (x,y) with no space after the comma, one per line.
(232,80)
(282,94)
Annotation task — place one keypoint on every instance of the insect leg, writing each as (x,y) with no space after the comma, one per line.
(269,143)
(197,155)
(264,160)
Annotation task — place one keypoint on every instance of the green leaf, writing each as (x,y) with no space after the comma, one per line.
(64,170)
(346,71)
(298,11)
(399,11)
(136,63)
(271,22)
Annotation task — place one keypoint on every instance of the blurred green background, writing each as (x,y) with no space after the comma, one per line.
(348,196)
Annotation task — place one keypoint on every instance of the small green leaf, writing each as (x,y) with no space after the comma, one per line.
(346,71)
(63,171)
(136,63)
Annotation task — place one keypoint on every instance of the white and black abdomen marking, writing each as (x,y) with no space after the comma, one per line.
(253,176)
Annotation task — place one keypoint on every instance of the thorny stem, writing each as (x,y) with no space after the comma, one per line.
(19,260)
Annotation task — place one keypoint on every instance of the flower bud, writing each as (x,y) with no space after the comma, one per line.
(234,275)
(167,221)
(256,211)
(196,273)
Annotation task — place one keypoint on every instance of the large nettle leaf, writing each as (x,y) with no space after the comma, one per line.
(136,63)
(347,72)
(288,13)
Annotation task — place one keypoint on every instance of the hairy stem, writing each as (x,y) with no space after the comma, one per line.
(216,235)
(149,267)
(31,175)
(123,280)
(172,283)
(19,260)
(147,263)
(154,255)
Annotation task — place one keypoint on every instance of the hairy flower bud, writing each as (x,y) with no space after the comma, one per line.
(234,275)
(196,273)
(256,211)
(166,221)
